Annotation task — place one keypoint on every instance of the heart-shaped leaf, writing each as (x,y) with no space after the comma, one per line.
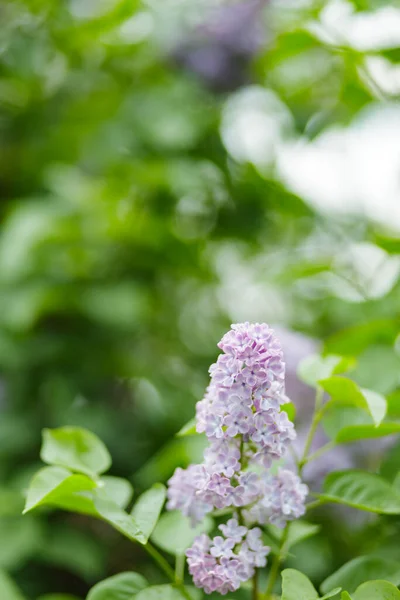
(166,592)
(363,432)
(331,594)
(58,597)
(296,586)
(361,490)
(174,534)
(8,589)
(58,487)
(123,586)
(188,429)
(117,489)
(76,449)
(377,590)
(148,507)
(315,367)
(360,569)
(299,531)
(346,391)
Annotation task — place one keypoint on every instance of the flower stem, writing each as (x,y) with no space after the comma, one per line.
(255,595)
(164,566)
(317,416)
(180,568)
(321,451)
(277,563)
(319,411)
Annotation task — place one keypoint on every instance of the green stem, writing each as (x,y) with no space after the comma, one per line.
(164,566)
(160,560)
(321,451)
(314,504)
(319,411)
(180,568)
(317,416)
(277,563)
(255,595)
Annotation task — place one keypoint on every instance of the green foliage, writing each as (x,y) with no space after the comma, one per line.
(377,590)
(299,531)
(358,570)
(145,205)
(296,586)
(188,429)
(361,490)
(118,489)
(164,592)
(76,449)
(124,586)
(347,392)
(58,597)
(148,507)
(8,589)
(314,368)
(363,432)
(174,533)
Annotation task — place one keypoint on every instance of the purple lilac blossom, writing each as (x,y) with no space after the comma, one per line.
(221,564)
(241,416)
(283,500)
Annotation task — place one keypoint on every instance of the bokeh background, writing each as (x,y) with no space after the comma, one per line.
(167,168)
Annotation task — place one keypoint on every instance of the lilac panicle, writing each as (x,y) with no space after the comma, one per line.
(221,564)
(241,416)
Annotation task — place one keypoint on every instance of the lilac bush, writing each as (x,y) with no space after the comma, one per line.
(242,481)
(248,433)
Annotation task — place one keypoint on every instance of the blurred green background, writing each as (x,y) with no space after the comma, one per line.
(168,167)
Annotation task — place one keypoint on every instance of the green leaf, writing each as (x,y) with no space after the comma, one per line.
(148,507)
(58,597)
(296,586)
(299,531)
(123,586)
(337,417)
(8,589)
(332,593)
(117,489)
(188,429)
(119,519)
(360,569)
(377,590)
(76,449)
(316,367)
(346,391)
(174,533)
(363,432)
(56,486)
(354,340)
(164,592)
(345,596)
(361,490)
(290,409)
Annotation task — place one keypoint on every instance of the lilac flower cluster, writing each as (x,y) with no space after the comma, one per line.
(241,416)
(223,563)
(282,500)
